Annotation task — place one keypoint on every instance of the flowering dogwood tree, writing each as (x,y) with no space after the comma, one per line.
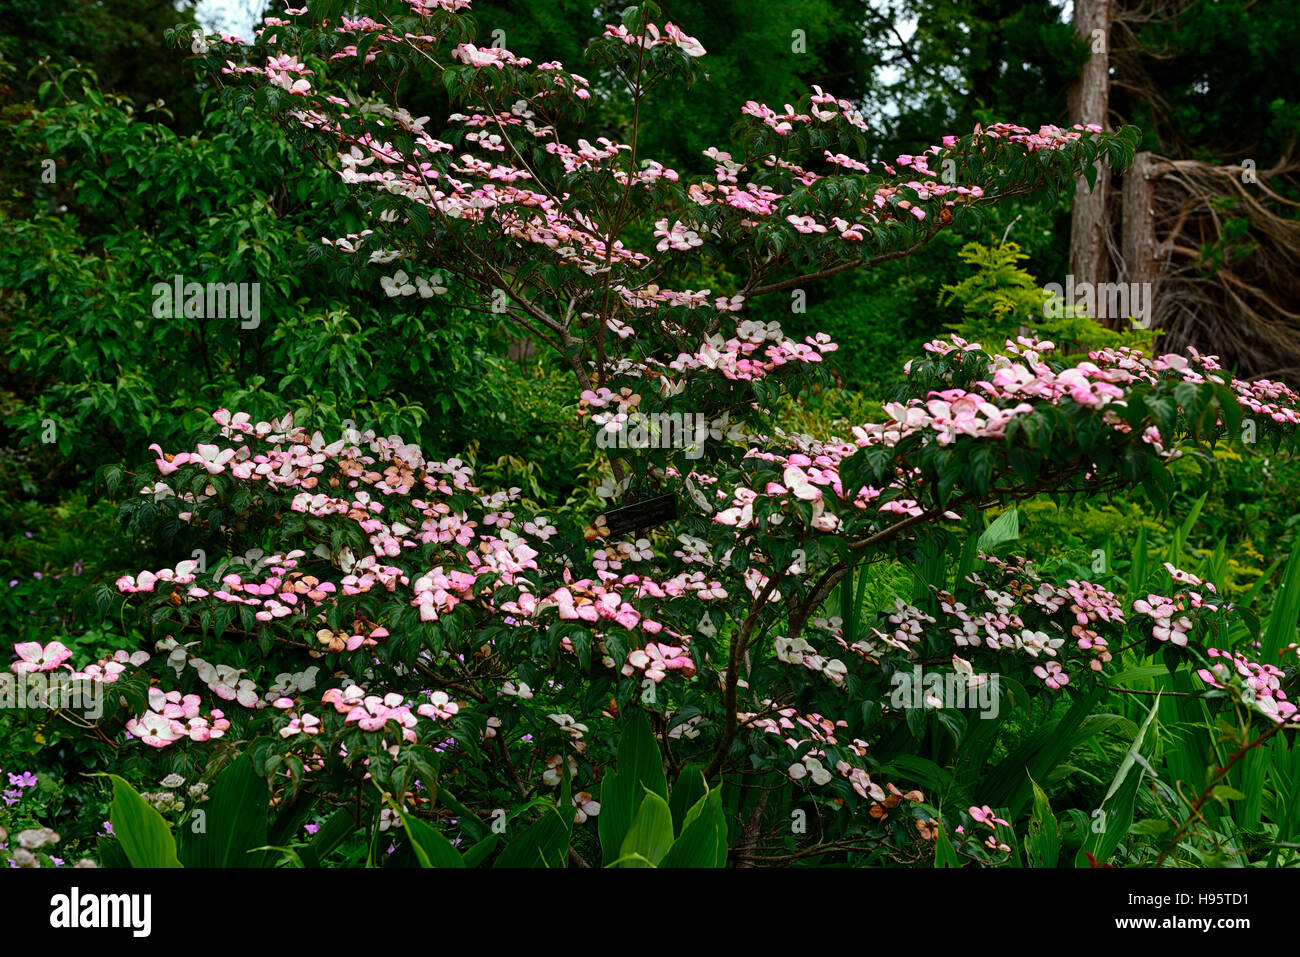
(382,632)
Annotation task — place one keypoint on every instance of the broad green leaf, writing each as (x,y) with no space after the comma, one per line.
(477,854)
(1224,793)
(544,844)
(1043,842)
(431,848)
(1138,570)
(235,821)
(145,837)
(639,768)
(689,789)
(651,833)
(1006,528)
(111,853)
(1281,628)
(944,854)
(331,834)
(703,842)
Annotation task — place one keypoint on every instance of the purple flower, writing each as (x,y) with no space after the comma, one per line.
(108,828)
(12,797)
(36,575)
(24,780)
(311,828)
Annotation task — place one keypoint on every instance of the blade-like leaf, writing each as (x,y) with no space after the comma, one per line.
(544,844)
(651,833)
(640,768)
(235,821)
(1006,528)
(431,848)
(145,837)
(1043,842)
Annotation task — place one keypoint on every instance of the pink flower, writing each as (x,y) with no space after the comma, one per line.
(439,706)
(226,683)
(33,657)
(167,464)
(468,53)
(212,458)
(1053,675)
(805,224)
(799,484)
(154,729)
(688,45)
(678,237)
(984,815)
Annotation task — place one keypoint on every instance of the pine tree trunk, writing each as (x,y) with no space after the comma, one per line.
(1139,229)
(1088,99)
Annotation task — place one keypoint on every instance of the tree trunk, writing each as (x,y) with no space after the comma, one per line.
(1140,250)
(1089,98)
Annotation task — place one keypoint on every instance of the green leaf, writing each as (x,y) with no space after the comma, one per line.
(944,854)
(1223,794)
(1005,529)
(1117,805)
(288,854)
(544,844)
(331,834)
(477,854)
(235,821)
(703,841)
(651,833)
(145,837)
(640,768)
(688,791)
(1138,570)
(1281,626)
(1043,842)
(431,848)
(111,853)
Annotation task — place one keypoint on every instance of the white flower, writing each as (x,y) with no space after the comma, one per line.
(566,723)
(553,775)
(819,773)
(35,837)
(586,807)
(430,287)
(810,766)
(398,285)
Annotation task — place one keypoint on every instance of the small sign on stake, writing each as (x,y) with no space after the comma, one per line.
(635,517)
